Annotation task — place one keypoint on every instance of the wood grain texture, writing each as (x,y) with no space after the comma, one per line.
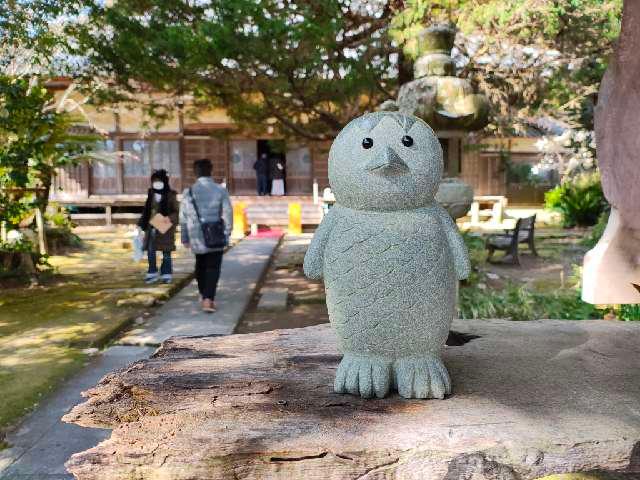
(530,399)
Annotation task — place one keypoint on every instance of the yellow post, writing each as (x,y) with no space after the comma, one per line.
(295,219)
(239,220)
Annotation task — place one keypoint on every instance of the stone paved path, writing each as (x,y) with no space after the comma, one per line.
(242,268)
(41,445)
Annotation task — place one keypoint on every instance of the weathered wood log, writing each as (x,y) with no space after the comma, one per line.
(530,399)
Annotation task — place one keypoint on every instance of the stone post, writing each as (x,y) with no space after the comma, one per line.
(239,220)
(295,219)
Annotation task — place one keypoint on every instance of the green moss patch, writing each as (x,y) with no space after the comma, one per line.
(94,294)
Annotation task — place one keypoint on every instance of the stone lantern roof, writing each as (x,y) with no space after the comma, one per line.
(441,99)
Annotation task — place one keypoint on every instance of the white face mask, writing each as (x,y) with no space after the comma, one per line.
(158,185)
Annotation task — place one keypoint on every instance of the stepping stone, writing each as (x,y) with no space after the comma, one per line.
(142,299)
(273,299)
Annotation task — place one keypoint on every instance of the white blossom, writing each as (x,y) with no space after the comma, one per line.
(580,136)
(14,236)
(570,153)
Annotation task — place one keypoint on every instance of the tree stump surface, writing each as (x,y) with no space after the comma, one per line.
(530,399)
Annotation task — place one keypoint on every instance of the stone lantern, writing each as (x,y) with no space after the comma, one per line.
(448,104)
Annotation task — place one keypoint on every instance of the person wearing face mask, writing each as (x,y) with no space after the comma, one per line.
(161,202)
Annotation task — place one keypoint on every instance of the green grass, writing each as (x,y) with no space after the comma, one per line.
(43,330)
(541,299)
(519,302)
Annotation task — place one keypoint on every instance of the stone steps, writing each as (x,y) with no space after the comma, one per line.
(278,214)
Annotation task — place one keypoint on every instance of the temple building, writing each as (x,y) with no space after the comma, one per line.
(446,102)
(177,143)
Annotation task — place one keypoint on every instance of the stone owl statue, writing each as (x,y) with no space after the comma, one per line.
(390,257)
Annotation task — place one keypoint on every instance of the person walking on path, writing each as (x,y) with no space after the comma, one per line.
(159,220)
(205,202)
(261,166)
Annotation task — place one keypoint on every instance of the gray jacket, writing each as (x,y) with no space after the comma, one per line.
(213,204)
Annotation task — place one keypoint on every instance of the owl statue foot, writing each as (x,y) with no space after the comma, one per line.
(363,375)
(421,377)
(414,377)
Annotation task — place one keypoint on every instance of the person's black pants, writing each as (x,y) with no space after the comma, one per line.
(263,184)
(208,273)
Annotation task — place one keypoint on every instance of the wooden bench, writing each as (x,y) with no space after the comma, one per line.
(524,232)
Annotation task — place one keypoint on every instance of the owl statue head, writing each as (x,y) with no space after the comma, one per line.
(385,161)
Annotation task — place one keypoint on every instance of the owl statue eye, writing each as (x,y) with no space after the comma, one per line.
(367,142)
(407,141)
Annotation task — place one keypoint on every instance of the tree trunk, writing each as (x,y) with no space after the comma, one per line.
(611,270)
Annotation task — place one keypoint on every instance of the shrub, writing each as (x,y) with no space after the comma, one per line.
(59,217)
(579,200)
(475,245)
(628,312)
(594,236)
(60,234)
(60,239)
(19,258)
(521,173)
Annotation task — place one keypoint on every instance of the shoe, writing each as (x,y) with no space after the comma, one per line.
(166,278)
(208,306)
(151,278)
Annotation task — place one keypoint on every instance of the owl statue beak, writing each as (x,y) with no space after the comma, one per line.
(387,163)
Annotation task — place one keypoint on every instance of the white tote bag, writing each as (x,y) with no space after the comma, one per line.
(138,245)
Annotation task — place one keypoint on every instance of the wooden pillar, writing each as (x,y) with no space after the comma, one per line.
(87,175)
(108,216)
(119,161)
(181,149)
(453,153)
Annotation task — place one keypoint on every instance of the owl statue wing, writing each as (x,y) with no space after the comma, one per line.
(314,258)
(456,244)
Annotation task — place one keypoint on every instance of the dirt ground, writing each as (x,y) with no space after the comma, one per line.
(559,252)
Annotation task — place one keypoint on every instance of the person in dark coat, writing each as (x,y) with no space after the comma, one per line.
(164,201)
(261,166)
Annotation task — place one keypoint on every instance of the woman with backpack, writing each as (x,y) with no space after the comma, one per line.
(206,221)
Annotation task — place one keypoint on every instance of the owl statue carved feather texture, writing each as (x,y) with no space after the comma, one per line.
(390,257)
